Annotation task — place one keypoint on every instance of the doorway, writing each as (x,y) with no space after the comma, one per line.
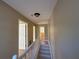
(42,33)
(23,37)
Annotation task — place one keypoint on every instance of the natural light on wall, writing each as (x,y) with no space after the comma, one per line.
(41,29)
(42,33)
(23,36)
(33,33)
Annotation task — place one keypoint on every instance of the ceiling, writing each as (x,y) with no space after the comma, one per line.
(29,7)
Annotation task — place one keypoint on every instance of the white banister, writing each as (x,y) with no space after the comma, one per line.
(50,49)
(32,51)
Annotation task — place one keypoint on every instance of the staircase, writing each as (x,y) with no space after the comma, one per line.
(44,51)
(32,51)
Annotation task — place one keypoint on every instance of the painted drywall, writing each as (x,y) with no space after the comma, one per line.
(9,30)
(66,29)
(51,37)
(30,33)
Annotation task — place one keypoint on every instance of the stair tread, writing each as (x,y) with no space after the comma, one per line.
(44,58)
(44,55)
(44,46)
(44,49)
(45,52)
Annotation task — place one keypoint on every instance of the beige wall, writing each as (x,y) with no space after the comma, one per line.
(9,30)
(51,37)
(66,29)
(30,33)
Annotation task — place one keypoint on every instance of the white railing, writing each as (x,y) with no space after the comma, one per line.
(50,48)
(32,51)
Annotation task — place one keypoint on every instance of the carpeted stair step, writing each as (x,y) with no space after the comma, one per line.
(45,56)
(45,52)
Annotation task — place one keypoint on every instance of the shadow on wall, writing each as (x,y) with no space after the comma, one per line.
(30,42)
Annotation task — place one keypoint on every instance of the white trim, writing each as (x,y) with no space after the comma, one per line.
(37,50)
(50,49)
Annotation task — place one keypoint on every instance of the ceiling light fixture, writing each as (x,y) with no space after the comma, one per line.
(36,14)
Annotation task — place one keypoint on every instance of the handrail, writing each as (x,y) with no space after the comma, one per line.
(50,48)
(20,57)
(32,50)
